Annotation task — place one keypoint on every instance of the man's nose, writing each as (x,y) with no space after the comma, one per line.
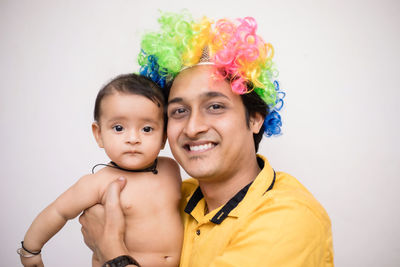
(196,124)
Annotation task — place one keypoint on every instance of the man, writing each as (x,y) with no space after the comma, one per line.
(237,211)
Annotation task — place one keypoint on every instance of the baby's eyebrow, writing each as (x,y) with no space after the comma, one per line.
(150,120)
(122,119)
(116,119)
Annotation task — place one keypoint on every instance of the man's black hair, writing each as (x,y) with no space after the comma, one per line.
(254,104)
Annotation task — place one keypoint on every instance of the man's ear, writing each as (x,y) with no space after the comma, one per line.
(97,133)
(256,122)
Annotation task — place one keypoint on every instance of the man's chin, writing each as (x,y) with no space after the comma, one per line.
(200,173)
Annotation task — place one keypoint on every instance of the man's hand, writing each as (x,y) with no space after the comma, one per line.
(92,221)
(103,228)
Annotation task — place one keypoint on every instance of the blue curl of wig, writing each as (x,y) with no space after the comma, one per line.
(152,70)
(272,124)
(273,121)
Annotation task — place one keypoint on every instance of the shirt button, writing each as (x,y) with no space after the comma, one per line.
(198,232)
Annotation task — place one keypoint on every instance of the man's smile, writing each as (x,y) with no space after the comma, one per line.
(200,147)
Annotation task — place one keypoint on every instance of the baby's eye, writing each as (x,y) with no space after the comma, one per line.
(147,129)
(118,128)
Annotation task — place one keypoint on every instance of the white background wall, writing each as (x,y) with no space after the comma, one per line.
(338,63)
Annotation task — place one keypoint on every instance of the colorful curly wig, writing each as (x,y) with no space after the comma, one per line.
(237,52)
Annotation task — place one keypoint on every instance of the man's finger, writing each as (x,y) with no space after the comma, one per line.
(113,192)
(94,211)
(114,218)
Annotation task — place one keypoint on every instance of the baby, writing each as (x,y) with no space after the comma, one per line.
(130,125)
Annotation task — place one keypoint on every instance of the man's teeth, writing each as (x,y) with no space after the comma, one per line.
(201,147)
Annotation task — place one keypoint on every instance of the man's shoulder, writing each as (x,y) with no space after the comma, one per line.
(289,194)
(285,213)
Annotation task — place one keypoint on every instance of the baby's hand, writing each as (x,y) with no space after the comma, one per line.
(35,261)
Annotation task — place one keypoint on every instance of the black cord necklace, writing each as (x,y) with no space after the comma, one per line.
(112,164)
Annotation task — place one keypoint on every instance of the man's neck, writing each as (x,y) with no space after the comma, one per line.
(219,192)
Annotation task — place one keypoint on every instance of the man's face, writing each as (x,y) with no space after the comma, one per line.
(207,129)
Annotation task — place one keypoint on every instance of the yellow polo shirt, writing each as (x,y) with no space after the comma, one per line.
(274,221)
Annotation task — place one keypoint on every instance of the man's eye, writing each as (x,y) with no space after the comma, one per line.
(178,112)
(118,128)
(215,106)
(147,129)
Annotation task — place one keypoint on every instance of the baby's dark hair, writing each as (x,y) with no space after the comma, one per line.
(131,84)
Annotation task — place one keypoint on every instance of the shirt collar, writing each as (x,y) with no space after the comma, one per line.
(263,183)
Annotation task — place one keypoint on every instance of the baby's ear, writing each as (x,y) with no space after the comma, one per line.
(97,133)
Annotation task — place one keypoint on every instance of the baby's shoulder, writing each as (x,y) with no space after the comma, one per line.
(167,160)
(107,171)
(168,167)
(100,178)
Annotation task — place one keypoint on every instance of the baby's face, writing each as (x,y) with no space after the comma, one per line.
(131,130)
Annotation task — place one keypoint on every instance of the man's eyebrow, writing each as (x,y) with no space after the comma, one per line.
(175,100)
(210,94)
(215,94)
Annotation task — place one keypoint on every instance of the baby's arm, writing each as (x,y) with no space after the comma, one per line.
(82,195)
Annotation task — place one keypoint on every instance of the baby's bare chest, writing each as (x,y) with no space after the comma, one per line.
(144,193)
(145,198)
